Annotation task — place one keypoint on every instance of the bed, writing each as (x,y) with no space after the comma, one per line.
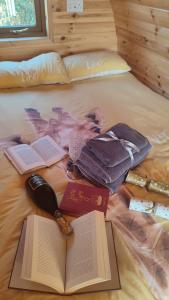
(120,98)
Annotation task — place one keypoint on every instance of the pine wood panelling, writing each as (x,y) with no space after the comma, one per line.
(149,31)
(144,13)
(126,37)
(143,39)
(68,33)
(156,69)
(161,4)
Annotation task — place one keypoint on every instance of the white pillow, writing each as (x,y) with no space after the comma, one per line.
(46,68)
(94,64)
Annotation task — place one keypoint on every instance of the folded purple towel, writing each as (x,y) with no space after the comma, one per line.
(97,181)
(107,158)
(112,151)
(96,167)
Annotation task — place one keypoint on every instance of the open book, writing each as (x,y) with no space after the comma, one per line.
(47,261)
(41,153)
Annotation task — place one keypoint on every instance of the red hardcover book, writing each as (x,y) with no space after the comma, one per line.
(80,199)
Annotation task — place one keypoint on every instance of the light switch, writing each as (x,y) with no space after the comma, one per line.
(74,6)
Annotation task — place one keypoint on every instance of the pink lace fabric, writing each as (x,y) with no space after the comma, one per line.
(78,140)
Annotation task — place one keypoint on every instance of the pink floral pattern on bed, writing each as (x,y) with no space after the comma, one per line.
(60,126)
(147,241)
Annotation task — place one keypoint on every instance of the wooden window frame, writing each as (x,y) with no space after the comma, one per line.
(32,31)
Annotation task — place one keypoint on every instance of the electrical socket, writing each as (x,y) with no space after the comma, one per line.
(74,6)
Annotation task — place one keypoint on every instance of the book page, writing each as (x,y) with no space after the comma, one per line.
(24,158)
(47,148)
(114,282)
(16,281)
(48,253)
(85,263)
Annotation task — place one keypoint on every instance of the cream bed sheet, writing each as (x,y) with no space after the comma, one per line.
(120,99)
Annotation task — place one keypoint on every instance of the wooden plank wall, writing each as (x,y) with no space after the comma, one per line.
(68,33)
(143,39)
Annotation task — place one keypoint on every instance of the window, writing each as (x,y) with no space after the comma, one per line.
(22,18)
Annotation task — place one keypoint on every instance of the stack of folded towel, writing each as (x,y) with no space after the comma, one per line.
(107,158)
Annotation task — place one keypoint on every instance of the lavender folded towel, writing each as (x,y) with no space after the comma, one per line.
(107,158)
(113,152)
(98,181)
(96,167)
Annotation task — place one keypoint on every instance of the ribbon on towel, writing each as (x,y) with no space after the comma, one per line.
(129,146)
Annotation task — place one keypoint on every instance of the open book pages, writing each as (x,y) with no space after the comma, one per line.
(24,158)
(47,148)
(23,264)
(66,265)
(42,152)
(44,253)
(87,252)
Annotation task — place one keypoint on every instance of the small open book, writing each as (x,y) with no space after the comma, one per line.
(41,153)
(47,261)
